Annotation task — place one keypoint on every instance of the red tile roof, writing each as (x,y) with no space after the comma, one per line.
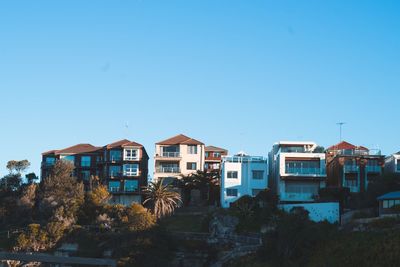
(345,145)
(214,148)
(180,139)
(123,143)
(76,149)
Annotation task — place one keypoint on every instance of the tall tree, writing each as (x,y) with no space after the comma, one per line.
(18,166)
(161,198)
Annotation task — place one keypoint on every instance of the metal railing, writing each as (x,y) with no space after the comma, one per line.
(351,168)
(169,155)
(297,196)
(240,159)
(114,189)
(168,170)
(306,171)
(130,189)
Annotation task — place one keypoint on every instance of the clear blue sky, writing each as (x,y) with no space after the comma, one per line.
(235,74)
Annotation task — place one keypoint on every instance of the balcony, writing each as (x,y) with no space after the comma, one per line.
(116,175)
(115,159)
(113,189)
(130,189)
(306,171)
(169,155)
(297,197)
(373,168)
(351,168)
(168,170)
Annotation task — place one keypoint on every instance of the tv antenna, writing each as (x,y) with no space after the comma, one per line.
(340,129)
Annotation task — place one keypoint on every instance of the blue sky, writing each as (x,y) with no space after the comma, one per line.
(235,74)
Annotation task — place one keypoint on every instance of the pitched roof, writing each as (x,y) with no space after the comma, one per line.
(123,143)
(391,195)
(345,145)
(214,148)
(180,139)
(76,149)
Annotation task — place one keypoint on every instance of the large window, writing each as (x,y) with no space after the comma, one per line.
(85,161)
(131,154)
(232,175)
(50,161)
(131,169)
(114,186)
(301,188)
(389,204)
(258,175)
(231,192)
(191,166)
(131,185)
(69,158)
(115,155)
(115,171)
(192,149)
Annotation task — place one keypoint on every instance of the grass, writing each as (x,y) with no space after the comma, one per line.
(184,223)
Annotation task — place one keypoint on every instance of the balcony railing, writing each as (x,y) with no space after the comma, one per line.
(168,170)
(131,189)
(351,168)
(297,197)
(113,189)
(373,168)
(306,171)
(116,174)
(115,159)
(169,155)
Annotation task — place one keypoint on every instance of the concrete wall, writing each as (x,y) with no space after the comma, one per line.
(318,211)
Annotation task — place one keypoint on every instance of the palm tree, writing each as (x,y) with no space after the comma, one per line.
(163,200)
(206,182)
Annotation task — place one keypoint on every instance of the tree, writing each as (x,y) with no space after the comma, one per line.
(206,182)
(18,166)
(34,239)
(162,199)
(139,218)
(31,178)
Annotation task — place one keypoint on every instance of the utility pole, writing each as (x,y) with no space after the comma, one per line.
(340,129)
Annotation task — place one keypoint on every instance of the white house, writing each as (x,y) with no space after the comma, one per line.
(297,171)
(392,163)
(242,175)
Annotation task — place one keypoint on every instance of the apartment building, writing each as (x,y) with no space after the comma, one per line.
(242,175)
(297,171)
(392,163)
(122,166)
(353,166)
(213,158)
(178,155)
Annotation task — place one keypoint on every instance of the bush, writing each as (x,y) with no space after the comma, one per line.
(385,222)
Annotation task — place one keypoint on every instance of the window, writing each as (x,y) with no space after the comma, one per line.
(372,162)
(115,155)
(113,186)
(216,155)
(192,149)
(385,204)
(131,169)
(207,154)
(191,166)
(69,158)
(115,171)
(85,175)
(131,185)
(231,192)
(391,203)
(85,161)
(50,161)
(131,154)
(232,175)
(258,175)
(255,192)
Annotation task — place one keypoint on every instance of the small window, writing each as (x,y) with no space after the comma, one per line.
(113,186)
(385,204)
(192,149)
(258,175)
(232,175)
(115,155)
(115,171)
(131,169)
(131,185)
(85,161)
(50,161)
(231,192)
(391,204)
(191,166)
(217,155)
(131,154)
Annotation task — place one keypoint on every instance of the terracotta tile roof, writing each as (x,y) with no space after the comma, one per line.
(123,143)
(345,145)
(180,139)
(76,149)
(214,148)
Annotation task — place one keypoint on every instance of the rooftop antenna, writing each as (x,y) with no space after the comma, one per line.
(340,129)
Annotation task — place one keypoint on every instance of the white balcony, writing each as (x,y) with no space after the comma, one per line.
(168,169)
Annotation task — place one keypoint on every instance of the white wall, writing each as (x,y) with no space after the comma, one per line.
(318,212)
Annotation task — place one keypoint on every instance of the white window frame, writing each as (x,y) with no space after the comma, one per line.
(130,157)
(192,149)
(231,172)
(130,169)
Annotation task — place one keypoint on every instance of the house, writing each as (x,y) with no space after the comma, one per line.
(389,204)
(122,166)
(242,175)
(296,171)
(392,163)
(353,166)
(177,156)
(213,158)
